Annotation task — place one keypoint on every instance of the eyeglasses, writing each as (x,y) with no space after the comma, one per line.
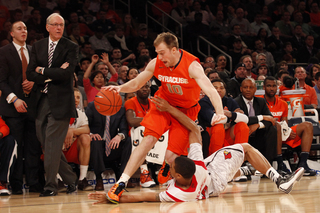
(56,25)
(209,61)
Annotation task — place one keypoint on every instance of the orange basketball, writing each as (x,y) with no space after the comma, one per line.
(107,102)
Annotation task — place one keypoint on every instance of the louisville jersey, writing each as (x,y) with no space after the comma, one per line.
(278,108)
(200,183)
(176,85)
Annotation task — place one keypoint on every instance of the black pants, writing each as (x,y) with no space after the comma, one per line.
(265,140)
(117,160)
(8,156)
(23,130)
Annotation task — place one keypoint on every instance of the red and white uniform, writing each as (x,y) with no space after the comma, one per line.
(211,177)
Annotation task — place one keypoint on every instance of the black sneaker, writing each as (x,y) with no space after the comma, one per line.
(283,170)
(285,184)
(307,170)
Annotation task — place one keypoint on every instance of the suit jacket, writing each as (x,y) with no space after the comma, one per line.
(10,78)
(304,54)
(60,89)
(97,122)
(260,108)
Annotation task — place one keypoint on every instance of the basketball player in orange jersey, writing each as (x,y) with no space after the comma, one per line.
(300,134)
(182,77)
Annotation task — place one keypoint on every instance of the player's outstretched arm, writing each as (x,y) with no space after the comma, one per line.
(136,83)
(163,106)
(100,197)
(196,72)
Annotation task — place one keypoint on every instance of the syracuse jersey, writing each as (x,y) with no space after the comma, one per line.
(176,85)
(278,109)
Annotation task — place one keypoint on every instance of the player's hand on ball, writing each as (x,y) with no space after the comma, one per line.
(161,104)
(112,88)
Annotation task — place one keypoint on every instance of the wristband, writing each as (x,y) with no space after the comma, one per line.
(15,100)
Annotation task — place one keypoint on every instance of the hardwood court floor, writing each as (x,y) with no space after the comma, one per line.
(239,197)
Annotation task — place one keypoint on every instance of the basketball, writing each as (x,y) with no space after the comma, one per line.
(107,102)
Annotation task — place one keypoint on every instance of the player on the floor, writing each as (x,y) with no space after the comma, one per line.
(181,76)
(301,134)
(195,178)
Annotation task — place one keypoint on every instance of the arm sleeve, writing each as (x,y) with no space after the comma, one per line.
(195,151)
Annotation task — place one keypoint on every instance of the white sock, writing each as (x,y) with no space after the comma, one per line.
(272,174)
(143,167)
(124,178)
(83,171)
(59,177)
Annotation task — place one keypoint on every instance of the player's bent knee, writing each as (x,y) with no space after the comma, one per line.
(149,141)
(84,140)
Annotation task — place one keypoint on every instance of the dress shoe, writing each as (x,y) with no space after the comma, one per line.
(17,192)
(83,184)
(99,185)
(71,188)
(36,188)
(47,193)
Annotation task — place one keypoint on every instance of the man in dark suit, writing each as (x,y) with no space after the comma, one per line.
(263,134)
(307,51)
(51,67)
(14,104)
(120,142)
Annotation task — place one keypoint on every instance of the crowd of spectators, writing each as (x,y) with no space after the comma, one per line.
(261,37)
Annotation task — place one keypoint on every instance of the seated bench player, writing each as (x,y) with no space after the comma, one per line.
(76,146)
(195,178)
(301,134)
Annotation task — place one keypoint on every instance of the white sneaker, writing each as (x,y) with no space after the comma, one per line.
(286,184)
(3,189)
(241,179)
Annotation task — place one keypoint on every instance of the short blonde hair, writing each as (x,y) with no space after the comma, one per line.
(168,38)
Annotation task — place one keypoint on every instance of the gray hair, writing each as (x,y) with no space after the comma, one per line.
(54,15)
(97,64)
(257,56)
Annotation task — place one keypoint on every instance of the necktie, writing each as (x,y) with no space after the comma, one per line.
(50,56)
(24,64)
(251,110)
(107,135)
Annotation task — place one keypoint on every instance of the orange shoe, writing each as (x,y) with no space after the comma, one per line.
(145,180)
(164,173)
(115,192)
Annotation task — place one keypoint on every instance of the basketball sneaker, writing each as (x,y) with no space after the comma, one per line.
(283,170)
(115,192)
(3,189)
(285,184)
(248,170)
(307,170)
(164,173)
(145,180)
